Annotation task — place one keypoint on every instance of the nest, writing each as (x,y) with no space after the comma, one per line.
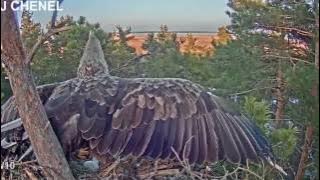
(19,162)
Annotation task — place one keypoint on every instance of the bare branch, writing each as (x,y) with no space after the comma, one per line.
(248,91)
(288,58)
(130,61)
(43,38)
(299,31)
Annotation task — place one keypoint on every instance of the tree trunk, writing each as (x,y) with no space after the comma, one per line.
(305,153)
(315,94)
(43,139)
(280,90)
(316,54)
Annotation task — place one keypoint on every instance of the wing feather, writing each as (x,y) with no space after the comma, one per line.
(244,139)
(230,148)
(169,143)
(194,153)
(9,111)
(179,136)
(212,140)
(150,117)
(144,142)
(203,144)
(137,135)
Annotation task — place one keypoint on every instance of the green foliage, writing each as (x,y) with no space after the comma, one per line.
(167,61)
(5,87)
(119,55)
(274,27)
(238,70)
(58,59)
(119,59)
(285,141)
(258,110)
(302,82)
(174,64)
(162,43)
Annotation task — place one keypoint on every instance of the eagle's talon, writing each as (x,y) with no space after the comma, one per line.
(83,153)
(81,157)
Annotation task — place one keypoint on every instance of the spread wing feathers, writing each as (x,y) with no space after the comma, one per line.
(153,117)
(9,111)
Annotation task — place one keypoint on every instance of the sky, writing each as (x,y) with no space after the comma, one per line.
(147,15)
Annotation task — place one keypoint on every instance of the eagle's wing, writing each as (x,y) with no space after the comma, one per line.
(154,117)
(9,111)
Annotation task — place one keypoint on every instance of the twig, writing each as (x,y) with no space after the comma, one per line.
(248,91)
(26,163)
(43,38)
(130,61)
(111,167)
(184,163)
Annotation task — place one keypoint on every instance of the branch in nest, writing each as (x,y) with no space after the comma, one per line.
(11,125)
(166,172)
(43,38)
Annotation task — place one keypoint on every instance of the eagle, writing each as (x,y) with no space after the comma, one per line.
(158,118)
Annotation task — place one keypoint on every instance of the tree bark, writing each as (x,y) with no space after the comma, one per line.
(43,139)
(315,94)
(305,153)
(316,54)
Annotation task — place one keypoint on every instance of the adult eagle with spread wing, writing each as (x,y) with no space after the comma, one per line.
(144,117)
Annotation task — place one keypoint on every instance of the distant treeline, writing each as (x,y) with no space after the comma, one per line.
(178,32)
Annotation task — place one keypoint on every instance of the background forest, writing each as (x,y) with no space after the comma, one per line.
(269,71)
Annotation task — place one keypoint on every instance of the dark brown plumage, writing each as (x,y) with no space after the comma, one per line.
(144,117)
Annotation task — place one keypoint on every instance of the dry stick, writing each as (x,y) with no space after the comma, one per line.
(11,125)
(112,167)
(225,176)
(184,163)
